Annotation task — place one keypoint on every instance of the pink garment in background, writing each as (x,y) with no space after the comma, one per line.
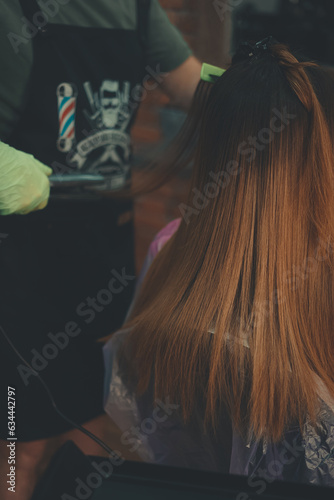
(159,241)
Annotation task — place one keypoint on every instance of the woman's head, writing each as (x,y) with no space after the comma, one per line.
(253,258)
(268,110)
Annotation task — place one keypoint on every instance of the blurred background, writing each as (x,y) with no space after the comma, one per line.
(213,28)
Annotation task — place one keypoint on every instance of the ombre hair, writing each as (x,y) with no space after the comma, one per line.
(237,309)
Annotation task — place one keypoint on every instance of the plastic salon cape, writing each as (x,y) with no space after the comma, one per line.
(158,435)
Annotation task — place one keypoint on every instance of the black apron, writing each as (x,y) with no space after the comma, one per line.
(70,267)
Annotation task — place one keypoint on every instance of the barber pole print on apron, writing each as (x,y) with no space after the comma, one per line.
(66,96)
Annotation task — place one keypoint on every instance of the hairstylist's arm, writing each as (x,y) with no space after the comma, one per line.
(169,55)
(180,84)
(24,183)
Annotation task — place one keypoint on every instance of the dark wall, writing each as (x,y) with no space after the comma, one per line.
(306,25)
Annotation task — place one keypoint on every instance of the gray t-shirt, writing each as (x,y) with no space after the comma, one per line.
(166,46)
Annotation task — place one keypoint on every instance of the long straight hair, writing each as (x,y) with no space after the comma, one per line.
(237,309)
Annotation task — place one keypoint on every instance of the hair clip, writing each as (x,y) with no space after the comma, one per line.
(211,73)
(252,49)
(264,44)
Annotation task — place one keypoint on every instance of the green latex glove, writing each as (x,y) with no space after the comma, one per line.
(24,183)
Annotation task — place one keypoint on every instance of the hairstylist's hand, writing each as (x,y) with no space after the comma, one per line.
(24,183)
